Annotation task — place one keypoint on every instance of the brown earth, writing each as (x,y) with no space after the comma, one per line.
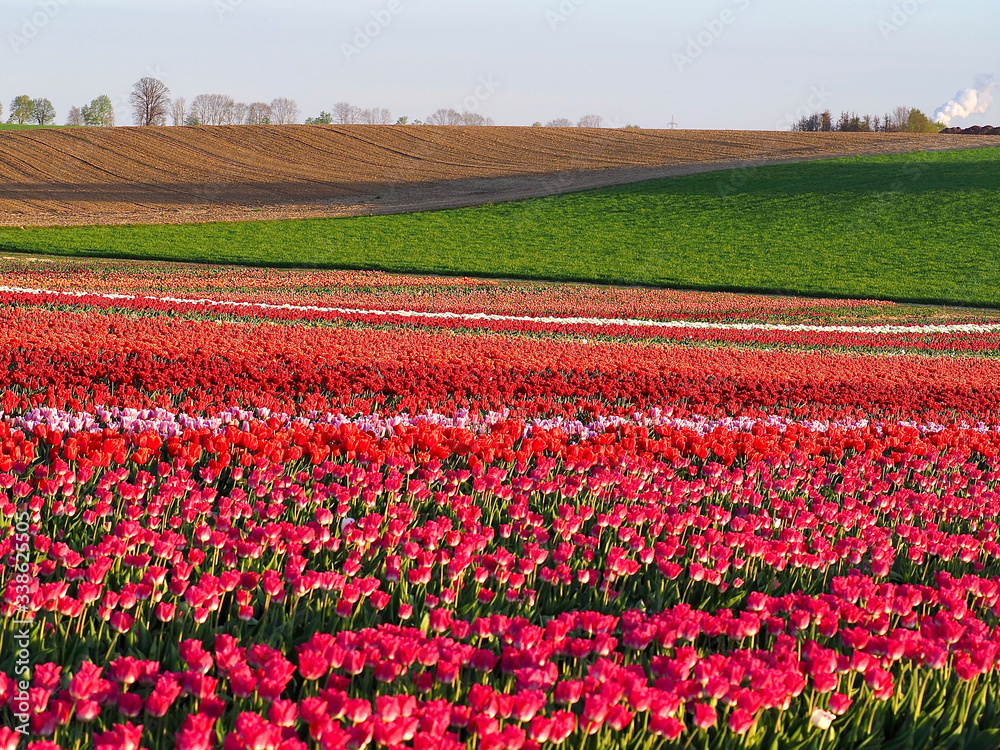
(76,176)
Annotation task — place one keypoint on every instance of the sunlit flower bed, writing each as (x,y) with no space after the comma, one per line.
(271,534)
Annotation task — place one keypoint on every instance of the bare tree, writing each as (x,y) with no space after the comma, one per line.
(223,109)
(284,112)
(178,111)
(212,109)
(75,116)
(590,121)
(240,113)
(259,114)
(445,117)
(150,100)
(345,113)
(560,122)
(474,118)
(900,119)
(198,110)
(376,116)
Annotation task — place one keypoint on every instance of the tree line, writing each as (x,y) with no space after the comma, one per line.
(900,120)
(151,104)
(345,113)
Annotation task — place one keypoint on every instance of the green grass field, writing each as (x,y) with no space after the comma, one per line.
(922,227)
(12,126)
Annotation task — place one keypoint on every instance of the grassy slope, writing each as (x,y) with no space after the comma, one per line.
(918,227)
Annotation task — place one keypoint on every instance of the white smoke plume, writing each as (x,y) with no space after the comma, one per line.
(968,102)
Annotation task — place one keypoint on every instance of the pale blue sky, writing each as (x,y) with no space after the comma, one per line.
(632,61)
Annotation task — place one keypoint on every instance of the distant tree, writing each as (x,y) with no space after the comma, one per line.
(240,112)
(590,121)
(22,109)
(200,109)
(100,112)
(192,119)
(284,112)
(225,109)
(899,120)
(559,122)
(476,119)
(345,113)
(918,122)
(213,109)
(404,120)
(630,126)
(75,117)
(826,121)
(259,114)
(445,117)
(150,100)
(178,111)
(536,124)
(324,118)
(1,111)
(42,112)
(376,116)
(808,123)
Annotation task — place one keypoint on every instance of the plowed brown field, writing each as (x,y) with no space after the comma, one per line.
(76,176)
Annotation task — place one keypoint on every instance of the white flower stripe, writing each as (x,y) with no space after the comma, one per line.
(929,329)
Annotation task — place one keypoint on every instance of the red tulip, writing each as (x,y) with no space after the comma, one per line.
(704,716)
(740,721)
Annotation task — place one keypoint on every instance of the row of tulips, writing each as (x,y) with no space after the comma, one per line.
(963,338)
(77,362)
(261,580)
(360,289)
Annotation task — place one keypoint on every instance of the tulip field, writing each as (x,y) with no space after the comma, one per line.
(260,509)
